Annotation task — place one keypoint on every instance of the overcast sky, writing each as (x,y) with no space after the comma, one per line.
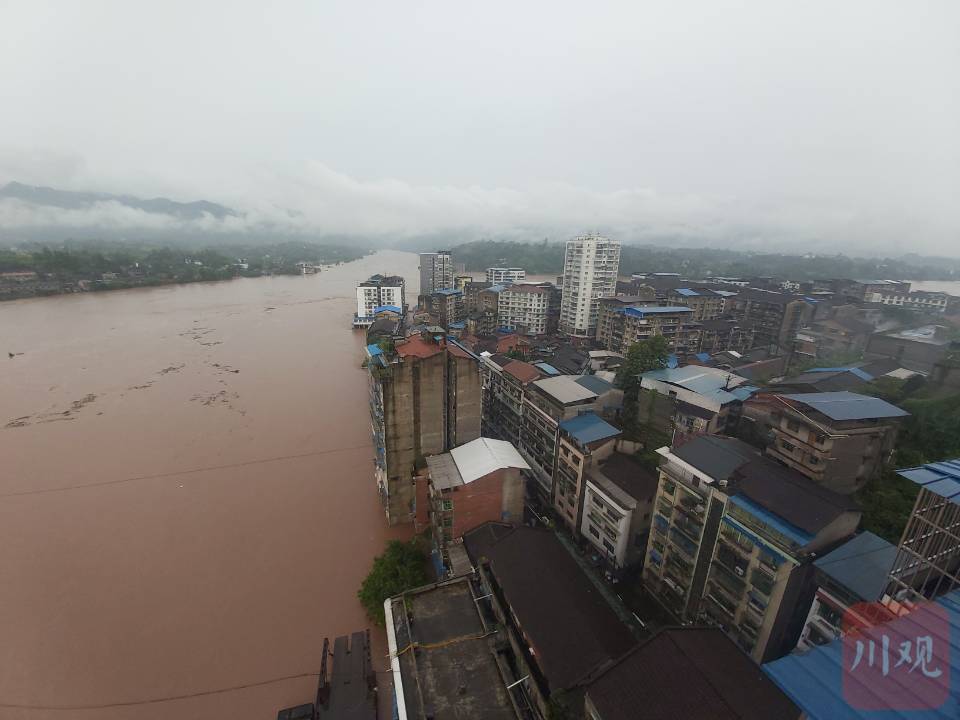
(738,122)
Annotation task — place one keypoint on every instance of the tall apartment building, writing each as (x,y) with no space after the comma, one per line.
(919,300)
(590,268)
(525,308)
(437,272)
(505,276)
(733,540)
(424,400)
(840,440)
(775,317)
(446,306)
(378,291)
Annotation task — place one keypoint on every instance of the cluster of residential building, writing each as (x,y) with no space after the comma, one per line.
(733,506)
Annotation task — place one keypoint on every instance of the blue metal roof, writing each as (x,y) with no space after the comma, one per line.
(701,380)
(941,478)
(548,369)
(588,428)
(460,324)
(385,308)
(743,392)
(703,357)
(772,519)
(848,406)
(374,350)
(672,361)
(862,374)
(819,680)
(686,292)
(861,565)
(653,310)
(448,291)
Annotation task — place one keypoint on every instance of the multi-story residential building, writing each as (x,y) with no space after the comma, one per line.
(460,282)
(725,334)
(436,272)
(446,306)
(760,593)
(475,483)
(546,404)
(590,268)
(854,573)
(708,399)
(692,673)
(505,383)
(840,440)
(621,325)
(379,291)
(920,349)
(833,336)
(673,323)
(525,308)
(481,322)
(471,295)
(582,441)
(864,290)
(690,503)
(927,564)
(775,317)
(919,300)
(733,541)
(617,506)
(505,275)
(610,317)
(559,628)
(706,303)
(425,398)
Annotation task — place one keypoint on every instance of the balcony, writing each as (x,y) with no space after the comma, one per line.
(692,530)
(728,581)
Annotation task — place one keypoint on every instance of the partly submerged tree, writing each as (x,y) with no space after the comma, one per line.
(401,567)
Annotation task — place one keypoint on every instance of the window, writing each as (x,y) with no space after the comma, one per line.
(609,547)
(446,504)
(594,531)
(789,447)
(793,426)
(448,522)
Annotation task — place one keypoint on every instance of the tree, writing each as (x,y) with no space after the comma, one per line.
(400,568)
(642,357)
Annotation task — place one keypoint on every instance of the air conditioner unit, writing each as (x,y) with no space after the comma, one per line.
(738,571)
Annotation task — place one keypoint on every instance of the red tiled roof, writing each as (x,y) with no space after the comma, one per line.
(418,347)
(522,371)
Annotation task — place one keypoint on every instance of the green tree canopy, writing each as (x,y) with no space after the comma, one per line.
(642,357)
(401,567)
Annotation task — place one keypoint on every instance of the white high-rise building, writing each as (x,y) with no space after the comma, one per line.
(590,268)
(436,272)
(525,308)
(505,276)
(376,292)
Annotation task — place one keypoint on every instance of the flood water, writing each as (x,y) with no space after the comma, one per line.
(186,494)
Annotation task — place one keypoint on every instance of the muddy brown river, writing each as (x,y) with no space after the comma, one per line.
(186,495)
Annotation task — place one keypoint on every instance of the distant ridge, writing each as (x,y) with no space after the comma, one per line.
(70,200)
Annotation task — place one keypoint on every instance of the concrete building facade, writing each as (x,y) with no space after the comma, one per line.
(525,308)
(437,272)
(505,275)
(582,441)
(425,398)
(379,291)
(590,268)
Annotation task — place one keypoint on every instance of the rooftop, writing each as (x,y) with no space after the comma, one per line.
(565,389)
(861,565)
(715,456)
(626,479)
(847,405)
(643,311)
(588,428)
(522,371)
(594,383)
(453,673)
(569,625)
(710,382)
(472,461)
(926,334)
(689,673)
(416,346)
(820,680)
(789,495)
(940,478)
